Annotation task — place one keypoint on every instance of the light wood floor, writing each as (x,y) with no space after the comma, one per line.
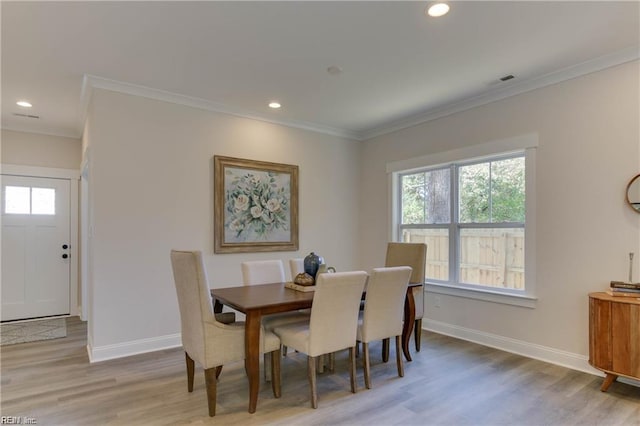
(450,382)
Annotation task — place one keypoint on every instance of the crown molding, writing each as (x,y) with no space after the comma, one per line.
(584,68)
(91,82)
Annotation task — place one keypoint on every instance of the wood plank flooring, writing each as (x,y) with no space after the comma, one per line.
(450,382)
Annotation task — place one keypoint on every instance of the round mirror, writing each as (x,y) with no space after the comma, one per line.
(633,193)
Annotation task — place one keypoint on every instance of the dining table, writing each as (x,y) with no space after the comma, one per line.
(256,301)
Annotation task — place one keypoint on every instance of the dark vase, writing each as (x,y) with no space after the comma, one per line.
(311,263)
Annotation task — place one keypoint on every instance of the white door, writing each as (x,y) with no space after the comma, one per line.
(35,247)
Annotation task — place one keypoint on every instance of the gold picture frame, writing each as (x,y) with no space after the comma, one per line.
(255,206)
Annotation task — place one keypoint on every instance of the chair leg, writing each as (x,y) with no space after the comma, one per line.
(311,371)
(399,357)
(218,371)
(417,332)
(211,383)
(385,350)
(366,364)
(352,369)
(190,371)
(284,350)
(267,371)
(332,361)
(275,373)
(320,364)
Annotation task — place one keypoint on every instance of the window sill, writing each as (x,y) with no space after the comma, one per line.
(525,301)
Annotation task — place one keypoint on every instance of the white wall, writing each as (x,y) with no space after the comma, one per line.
(151,190)
(33,149)
(589,148)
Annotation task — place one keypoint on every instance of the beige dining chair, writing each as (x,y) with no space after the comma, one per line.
(266,272)
(262,272)
(335,308)
(207,341)
(296,266)
(415,256)
(383,312)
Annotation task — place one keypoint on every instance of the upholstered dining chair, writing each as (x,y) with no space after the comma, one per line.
(207,341)
(262,272)
(335,308)
(415,256)
(296,266)
(265,272)
(383,312)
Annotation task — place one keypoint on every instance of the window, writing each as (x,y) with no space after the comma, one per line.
(29,200)
(472,218)
(471,214)
(474,207)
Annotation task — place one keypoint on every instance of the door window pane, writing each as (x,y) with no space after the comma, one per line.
(43,201)
(27,200)
(16,200)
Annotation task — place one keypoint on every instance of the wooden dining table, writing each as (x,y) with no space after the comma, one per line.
(256,301)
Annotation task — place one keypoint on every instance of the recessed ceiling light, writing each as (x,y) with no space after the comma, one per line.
(438,9)
(274,105)
(24,104)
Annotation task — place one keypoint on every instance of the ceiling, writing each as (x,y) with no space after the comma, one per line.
(399,67)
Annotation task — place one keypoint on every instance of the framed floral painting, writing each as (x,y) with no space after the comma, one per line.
(255,206)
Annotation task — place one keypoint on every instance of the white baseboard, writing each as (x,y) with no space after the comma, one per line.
(120,350)
(529,350)
(520,347)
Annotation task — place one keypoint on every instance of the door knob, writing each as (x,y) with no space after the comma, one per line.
(64,256)
(65,246)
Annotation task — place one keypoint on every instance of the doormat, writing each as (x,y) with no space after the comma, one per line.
(31,331)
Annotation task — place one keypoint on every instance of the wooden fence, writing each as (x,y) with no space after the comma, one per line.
(488,257)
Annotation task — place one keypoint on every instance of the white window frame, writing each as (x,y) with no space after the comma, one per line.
(524,143)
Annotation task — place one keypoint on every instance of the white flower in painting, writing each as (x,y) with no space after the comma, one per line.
(241,203)
(256,211)
(273,205)
(254,180)
(236,225)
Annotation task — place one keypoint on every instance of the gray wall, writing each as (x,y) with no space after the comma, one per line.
(151,190)
(151,180)
(589,148)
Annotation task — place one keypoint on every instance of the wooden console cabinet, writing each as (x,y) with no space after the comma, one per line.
(614,336)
